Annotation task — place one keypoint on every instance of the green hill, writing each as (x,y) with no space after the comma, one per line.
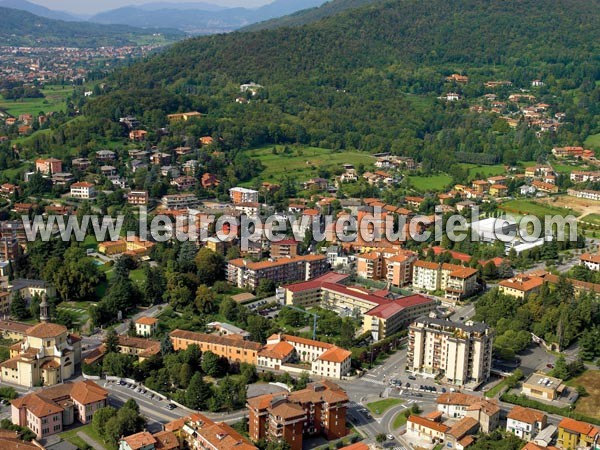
(368,79)
(310,15)
(22,28)
(414,32)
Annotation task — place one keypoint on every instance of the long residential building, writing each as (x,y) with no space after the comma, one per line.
(462,352)
(233,347)
(456,281)
(325,360)
(48,411)
(320,409)
(383,312)
(246,274)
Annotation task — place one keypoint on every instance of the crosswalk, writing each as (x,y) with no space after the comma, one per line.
(372,380)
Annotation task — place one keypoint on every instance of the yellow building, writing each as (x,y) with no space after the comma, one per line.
(112,247)
(47,355)
(540,385)
(521,285)
(575,434)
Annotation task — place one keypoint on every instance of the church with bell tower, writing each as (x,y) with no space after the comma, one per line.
(47,355)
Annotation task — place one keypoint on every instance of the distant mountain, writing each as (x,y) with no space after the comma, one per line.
(309,15)
(190,18)
(38,10)
(23,28)
(203,6)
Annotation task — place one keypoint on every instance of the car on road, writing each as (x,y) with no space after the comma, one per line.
(390,437)
(407,385)
(171,406)
(418,394)
(550,366)
(443,390)
(411,377)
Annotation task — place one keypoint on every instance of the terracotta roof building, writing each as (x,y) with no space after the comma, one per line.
(318,409)
(325,360)
(233,347)
(49,410)
(47,355)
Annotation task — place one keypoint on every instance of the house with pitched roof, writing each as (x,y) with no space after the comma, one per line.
(48,411)
(576,434)
(525,423)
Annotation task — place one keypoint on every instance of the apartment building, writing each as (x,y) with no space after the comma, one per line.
(47,355)
(578,176)
(179,201)
(320,409)
(383,312)
(198,432)
(48,411)
(456,281)
(83,190)
(521,285)
(48,166)
(576,434)
(247,274)
(326,360)
(525,423)
(137,198)
(287,248)
(9,248)
(393,265)
(462,352)
(233,347)
(389,318)
(243,195)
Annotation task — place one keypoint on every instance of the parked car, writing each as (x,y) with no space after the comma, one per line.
(411,377)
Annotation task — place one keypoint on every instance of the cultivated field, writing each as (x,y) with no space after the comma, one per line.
(538,207)
(432,183)
(303,163)
(579,206)
(55,100)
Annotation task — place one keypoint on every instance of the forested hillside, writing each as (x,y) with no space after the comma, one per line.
(310,15)
(369,78)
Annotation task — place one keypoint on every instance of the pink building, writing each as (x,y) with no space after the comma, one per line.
(48,411)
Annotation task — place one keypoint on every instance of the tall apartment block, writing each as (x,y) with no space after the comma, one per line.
(462,352)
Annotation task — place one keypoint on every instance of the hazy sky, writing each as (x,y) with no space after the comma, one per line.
(94,6)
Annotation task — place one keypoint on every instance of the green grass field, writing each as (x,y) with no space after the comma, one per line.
(523,207)
(399,420)
(593,141)
(564,168)
(379,407)
(71,436)
(592,218)
(484,171)
(433,183)
(303,162)
(55,100)
(491,393)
